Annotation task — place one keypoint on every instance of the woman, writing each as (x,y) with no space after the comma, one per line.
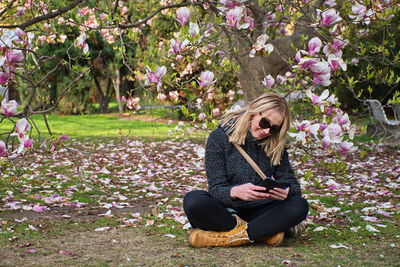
(260,128)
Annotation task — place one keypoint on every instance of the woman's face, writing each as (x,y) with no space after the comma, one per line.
(274,118)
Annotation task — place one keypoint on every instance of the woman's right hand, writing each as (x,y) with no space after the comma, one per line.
(248,192)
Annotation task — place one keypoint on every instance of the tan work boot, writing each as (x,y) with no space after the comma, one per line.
(235,237)
(296,230)
(273,240)
(239,221)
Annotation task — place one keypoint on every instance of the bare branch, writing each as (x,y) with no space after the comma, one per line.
(47,16)
(7,8)
(140,22)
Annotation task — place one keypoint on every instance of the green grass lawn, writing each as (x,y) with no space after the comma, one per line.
(96,169)
(103,125)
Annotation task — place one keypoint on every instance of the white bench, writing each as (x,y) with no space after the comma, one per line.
(379,116)
(396,109)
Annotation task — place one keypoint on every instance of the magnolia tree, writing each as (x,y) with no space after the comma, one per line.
(210,54)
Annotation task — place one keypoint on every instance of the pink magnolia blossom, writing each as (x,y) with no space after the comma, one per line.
(330,3)
(334,131)
(42,39)
(4,77)
(335,47)
(20,33)
(91,22)
(299,136)
(61,20)
(325,142)
(248,23)
(3,149)
(330,110)
(85,11)
(161,96)
(280,79)
(39,208)
(302,126)
(28,143)
(206,78)
(176,47)
(322,78)
(193,29)
(174,95)
(215,112)
(314,46)
(25,142)
(155,76)
(22,126)
(336,63)
(260,45)
(268,81)
(361,13)
(323,126)
(318,100)
(314,128)
(341,119)
(321,73)
(183,15)
(307,63)
(329,17)
(234,16)
(345,147)
(64,137)
(9,108)
(133,103)
(320,67)
(62,38)
(332,99)
(231,94)
(229,4)
(20,11)
(354,61)
(202,116)
(299,54)
(81,42)
(14,56)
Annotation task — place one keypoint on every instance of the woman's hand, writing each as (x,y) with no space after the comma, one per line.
(278,193)
(248,192)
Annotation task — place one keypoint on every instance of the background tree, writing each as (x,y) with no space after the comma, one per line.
(202,55)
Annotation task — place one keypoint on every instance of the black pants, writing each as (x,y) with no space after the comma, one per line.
(206,213)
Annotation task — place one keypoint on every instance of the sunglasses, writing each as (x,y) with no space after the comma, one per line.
(266,124)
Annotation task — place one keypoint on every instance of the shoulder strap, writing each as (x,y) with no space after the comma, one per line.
(249,160)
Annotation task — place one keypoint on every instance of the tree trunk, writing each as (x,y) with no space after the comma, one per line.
(253,70)
(100,94)
(117,82)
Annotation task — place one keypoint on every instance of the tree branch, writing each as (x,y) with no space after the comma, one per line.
(140,22)
(7,8)
(47,16)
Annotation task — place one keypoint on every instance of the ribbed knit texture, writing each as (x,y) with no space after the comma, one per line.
(226,167)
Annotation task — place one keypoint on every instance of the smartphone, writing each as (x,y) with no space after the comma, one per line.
(270,184)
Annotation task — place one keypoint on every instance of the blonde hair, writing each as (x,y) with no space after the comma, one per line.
(238,123)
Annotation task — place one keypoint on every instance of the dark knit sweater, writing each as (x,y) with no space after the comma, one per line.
(226,167)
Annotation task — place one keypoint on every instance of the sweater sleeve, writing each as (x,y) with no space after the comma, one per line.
(218,183)
(284,173)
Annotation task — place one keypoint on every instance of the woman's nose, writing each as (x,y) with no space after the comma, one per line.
(266,131)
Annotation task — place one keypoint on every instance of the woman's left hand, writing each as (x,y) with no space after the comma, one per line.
(278,193)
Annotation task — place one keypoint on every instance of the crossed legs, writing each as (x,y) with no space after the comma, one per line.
(204,212)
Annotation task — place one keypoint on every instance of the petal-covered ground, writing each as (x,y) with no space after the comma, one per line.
(152,177)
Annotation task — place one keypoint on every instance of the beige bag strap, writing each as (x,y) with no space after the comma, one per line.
(251,161)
